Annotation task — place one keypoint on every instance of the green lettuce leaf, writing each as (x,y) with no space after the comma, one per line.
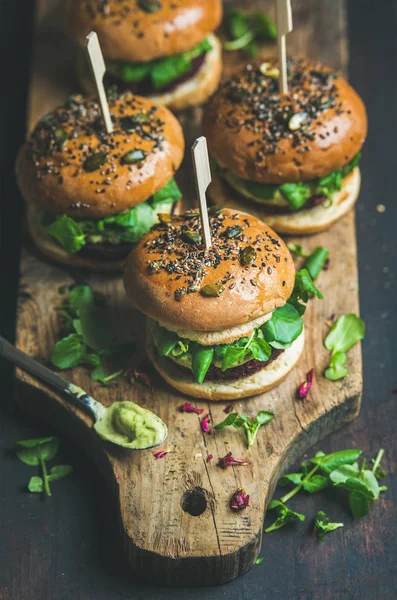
(284,327)
(162,72)
(170,193)
(202,357)
(129,226)
(68,233)
(343,335)
(296,194)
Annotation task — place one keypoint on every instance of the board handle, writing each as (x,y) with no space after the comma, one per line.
(28,364)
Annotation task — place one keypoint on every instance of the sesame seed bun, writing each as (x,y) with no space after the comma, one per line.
(303,222)
(53,176)
(129,33)
(192,92)
(167,274)
(262,381)
(249,129)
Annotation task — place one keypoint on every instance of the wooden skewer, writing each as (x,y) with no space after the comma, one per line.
(98,67)
(202,174)
(284,26)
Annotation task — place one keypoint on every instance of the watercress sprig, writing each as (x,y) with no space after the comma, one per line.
(339,469)
(323,524)
(343,335)
(36,452)
(89,339)
(247,30)
(249,426)
(284,515)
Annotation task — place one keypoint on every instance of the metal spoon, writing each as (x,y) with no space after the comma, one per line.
(69,390)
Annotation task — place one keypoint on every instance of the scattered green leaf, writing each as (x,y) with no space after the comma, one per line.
(249,426)
(323,525)
(343,335)
(284,515)
(36,452)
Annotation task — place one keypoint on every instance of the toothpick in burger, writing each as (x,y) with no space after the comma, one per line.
(225,323)
(92,195)
(292,160)
(163,49)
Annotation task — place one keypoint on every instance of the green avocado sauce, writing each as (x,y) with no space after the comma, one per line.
(131,426)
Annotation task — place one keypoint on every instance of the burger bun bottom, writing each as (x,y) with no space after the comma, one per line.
(260,382)
(303,222)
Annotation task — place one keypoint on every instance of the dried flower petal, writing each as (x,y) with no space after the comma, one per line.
(160,453)
(140,375)
(306,385)
(240,500)
(186,407)
(209,458)
(205,424)
(228,409)
(228,460)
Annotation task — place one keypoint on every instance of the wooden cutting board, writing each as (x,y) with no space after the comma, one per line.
(154,497)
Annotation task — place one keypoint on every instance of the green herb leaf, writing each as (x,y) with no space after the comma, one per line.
(60,472)
(233,355)
(330,462)
(344,472)
(69,352)
(297,249)
(316,262)
(202,357)
(244,28)
(284,327)
(259,560)
(260,349)
(166,70)
(315,484)
(250,427)
(323,525)
(295,478)
(32,451)
(330,184)
(296,194)
(68,233)
(284,515)
(263,191)
(359,504)
(170,193)
(303,287)
(337,369)
(81,296)
(36,485)
(230,420)
(165,340)
(345,333)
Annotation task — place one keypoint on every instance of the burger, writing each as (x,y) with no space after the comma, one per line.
(225,323)
(163,49)
(91,195)
(293,159)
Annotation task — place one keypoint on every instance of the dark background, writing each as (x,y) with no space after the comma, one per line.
(65,548)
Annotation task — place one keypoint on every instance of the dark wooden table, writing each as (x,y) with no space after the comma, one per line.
(64,549)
